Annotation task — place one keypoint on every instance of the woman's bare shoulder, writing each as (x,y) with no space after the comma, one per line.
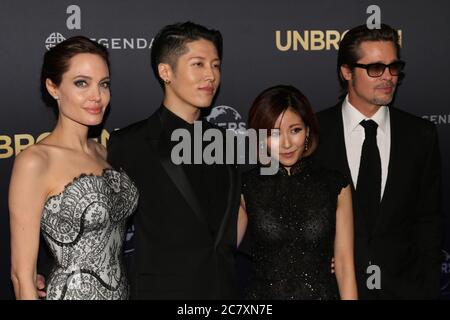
(35,158)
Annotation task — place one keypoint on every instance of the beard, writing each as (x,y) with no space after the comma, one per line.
(382,101)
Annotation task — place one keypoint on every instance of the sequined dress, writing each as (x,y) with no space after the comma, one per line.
(84,226)
(291,221)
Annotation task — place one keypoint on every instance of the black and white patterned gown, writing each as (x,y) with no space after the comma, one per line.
(84,227)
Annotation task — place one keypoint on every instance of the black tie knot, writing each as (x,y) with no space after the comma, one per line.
(370,127)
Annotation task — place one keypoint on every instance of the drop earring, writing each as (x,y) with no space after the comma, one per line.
(306,143)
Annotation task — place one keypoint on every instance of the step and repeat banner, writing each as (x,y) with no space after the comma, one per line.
(265,43)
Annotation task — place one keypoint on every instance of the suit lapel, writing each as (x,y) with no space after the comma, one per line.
(160,147)
(233,194)
(394,167)
(339,142)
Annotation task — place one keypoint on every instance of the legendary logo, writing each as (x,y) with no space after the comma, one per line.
(438,119)
(73,22)
(111,43)
(53,39)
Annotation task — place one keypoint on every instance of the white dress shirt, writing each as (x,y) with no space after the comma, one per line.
(354,137)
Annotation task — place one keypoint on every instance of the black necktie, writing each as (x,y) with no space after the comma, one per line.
(368,186)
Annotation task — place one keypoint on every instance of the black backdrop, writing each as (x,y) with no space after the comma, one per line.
(254,58)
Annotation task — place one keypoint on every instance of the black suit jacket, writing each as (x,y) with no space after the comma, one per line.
(176,256)
(405,241)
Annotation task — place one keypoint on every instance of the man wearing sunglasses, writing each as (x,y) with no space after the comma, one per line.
(393,161)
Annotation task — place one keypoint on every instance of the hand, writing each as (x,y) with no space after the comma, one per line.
(40,285)
(332,265)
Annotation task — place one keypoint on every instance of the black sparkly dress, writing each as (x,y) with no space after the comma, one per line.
(291,221)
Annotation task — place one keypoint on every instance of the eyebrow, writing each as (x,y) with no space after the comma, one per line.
(292,125)
(378,61)
(90,78)
(203,58)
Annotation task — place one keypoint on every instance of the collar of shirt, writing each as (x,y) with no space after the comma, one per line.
(172,122)
(352,117)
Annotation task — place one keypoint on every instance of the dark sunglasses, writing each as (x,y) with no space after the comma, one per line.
(375,70)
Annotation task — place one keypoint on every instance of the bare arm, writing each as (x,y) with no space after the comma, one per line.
(27,194)
(343,247)
(242,221)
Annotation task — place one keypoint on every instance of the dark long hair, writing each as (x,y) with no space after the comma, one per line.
(57,59)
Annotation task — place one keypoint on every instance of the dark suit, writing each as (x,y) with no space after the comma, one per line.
(405,240)
(177,253)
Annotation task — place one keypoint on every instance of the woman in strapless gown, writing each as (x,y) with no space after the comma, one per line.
(84,226)
(64,187)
